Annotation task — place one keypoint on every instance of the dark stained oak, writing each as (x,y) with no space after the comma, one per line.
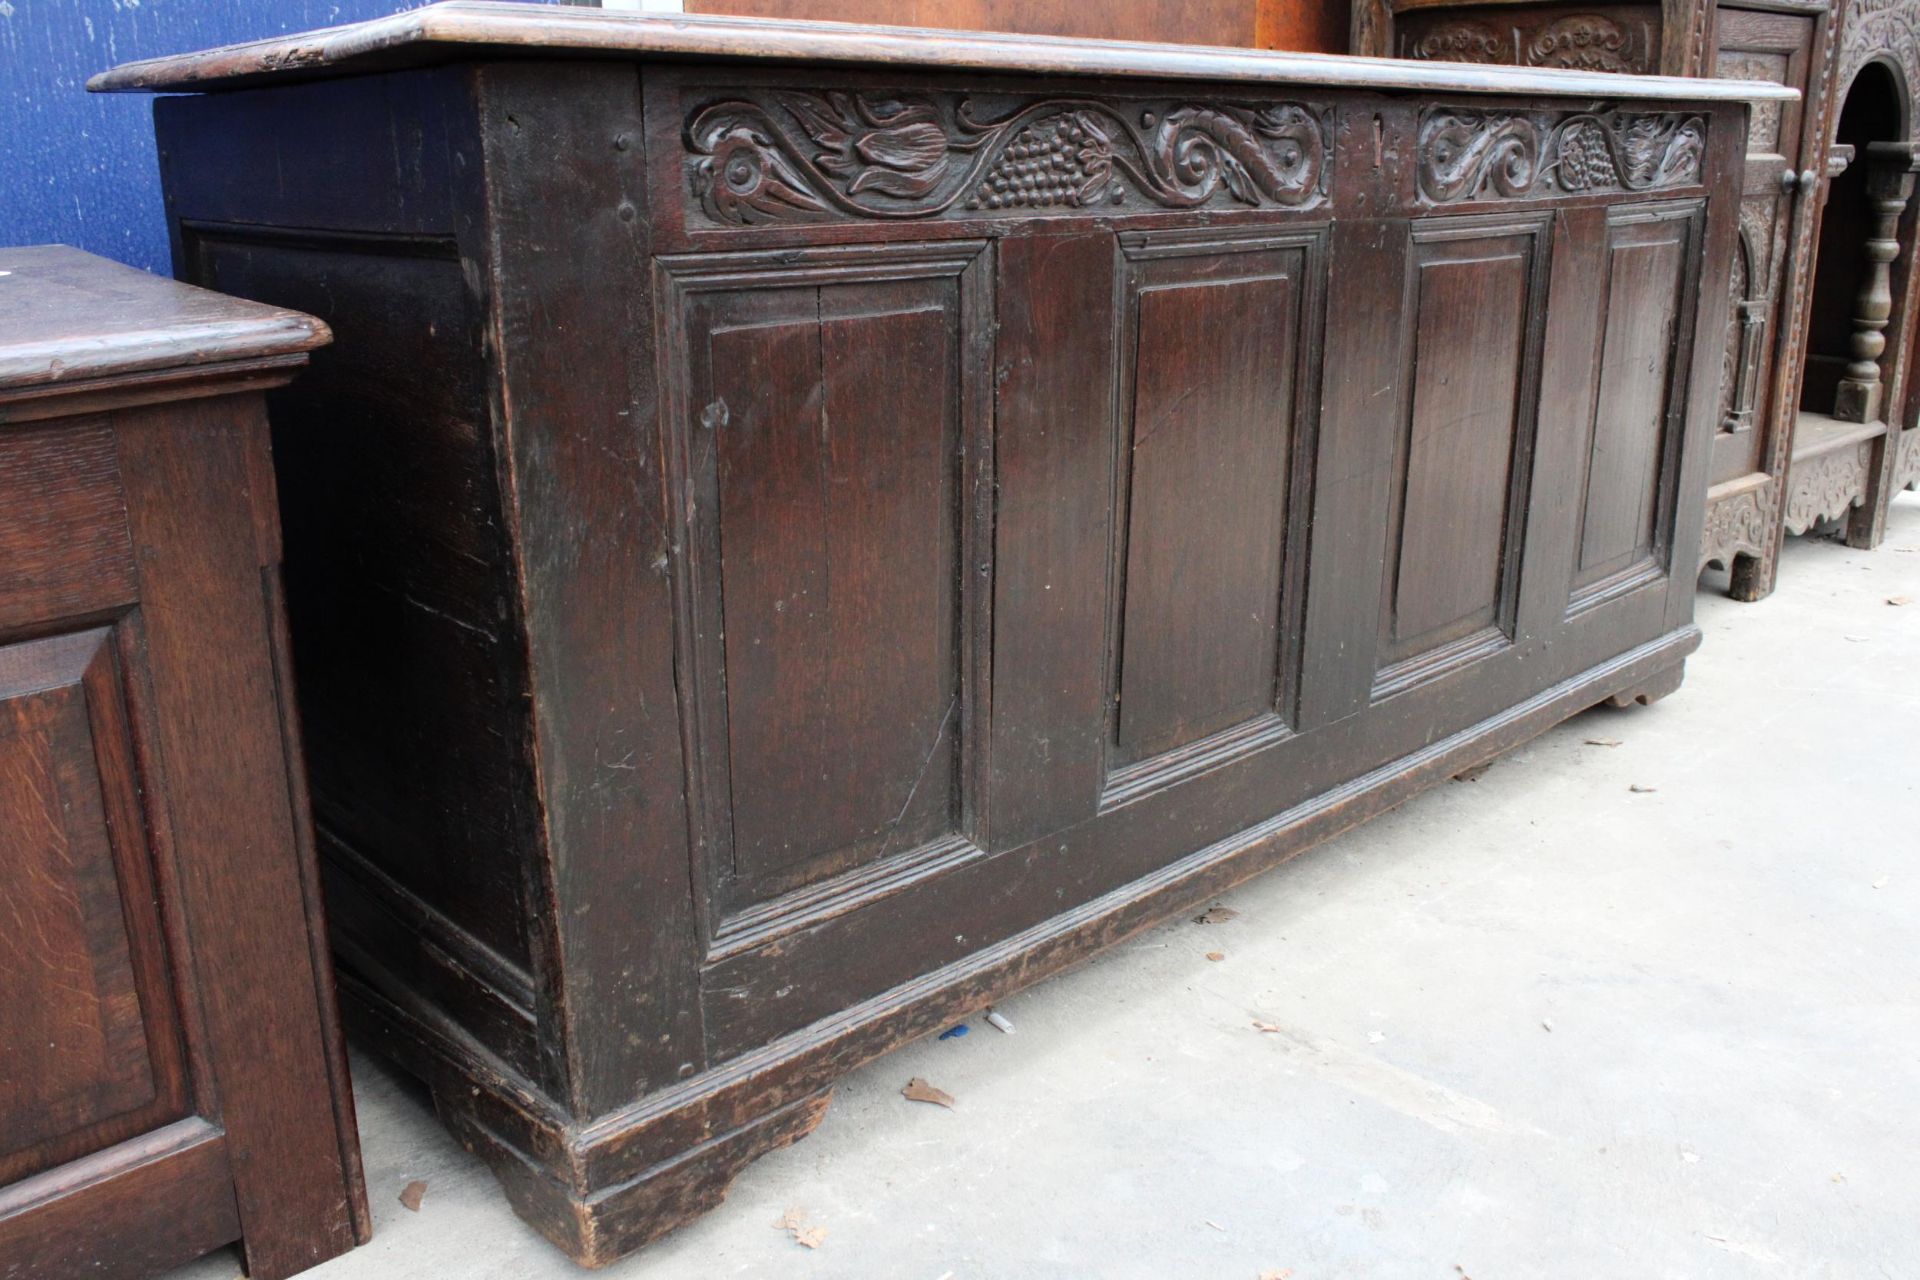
(807,529)
(174,1075)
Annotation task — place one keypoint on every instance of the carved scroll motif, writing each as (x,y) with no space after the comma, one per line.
(1736,526)
(1461,41)
(1824,487)
(1584,42)
(793,156)
(1477,155)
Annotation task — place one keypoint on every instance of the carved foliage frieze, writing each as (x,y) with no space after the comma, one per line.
(1737,525)
(1479,155)
(793,156)
(1825,486)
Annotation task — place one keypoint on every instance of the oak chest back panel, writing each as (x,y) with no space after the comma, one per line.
(819,545)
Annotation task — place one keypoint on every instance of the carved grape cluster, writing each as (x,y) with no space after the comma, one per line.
(1586,162)
(1048,164)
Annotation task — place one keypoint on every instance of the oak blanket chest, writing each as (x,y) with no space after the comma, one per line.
(807,528)
(172,1077)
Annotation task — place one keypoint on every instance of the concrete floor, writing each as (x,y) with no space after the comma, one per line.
(1537,1025)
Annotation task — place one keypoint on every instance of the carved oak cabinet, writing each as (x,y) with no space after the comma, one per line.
(805,529)
(171,1072)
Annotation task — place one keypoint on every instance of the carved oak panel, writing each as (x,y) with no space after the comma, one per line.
(1633,440)
(832,457)
(1479,155)
(1827,485)
(1763,128)
(770,156)
(1618,39)
(1887,29)
(1208,573)
(1906,463)
(1741,524)
(1476,293)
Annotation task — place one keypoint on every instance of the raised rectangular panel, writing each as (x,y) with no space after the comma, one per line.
(1634,440)
(1476,292)
(832,476)
(82,1004)
(1203,648)
(64,525)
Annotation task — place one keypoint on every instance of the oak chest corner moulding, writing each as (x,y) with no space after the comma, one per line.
(818,527)
(172,1077)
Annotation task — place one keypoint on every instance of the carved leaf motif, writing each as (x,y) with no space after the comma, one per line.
(743,179)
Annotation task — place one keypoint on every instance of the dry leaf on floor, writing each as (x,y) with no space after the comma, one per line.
(919,1090)
(794,1223)
(1603,742)
(1899,600)
(1216,955)
(1473,774)
(1265,1028)
(1284,1273)
(1215,915)
(412,1194)
(1638,789)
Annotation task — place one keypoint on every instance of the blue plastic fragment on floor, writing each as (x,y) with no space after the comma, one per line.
(954,1033)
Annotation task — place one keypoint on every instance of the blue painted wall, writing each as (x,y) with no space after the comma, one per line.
(79,168)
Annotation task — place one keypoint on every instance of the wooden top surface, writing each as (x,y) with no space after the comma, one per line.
(464,29)
(67,316)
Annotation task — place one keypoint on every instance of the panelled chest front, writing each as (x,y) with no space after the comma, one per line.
(804,530)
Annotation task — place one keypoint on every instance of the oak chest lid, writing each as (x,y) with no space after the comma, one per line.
(68,317)
(464,29)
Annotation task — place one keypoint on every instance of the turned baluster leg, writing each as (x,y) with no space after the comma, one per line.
(1889,184)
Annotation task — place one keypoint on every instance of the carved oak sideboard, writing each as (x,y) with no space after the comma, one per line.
(806,529)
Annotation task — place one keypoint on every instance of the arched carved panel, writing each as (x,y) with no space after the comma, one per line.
(1883,28)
